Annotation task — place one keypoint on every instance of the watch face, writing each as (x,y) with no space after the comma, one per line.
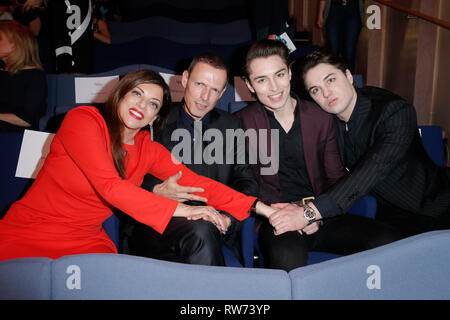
(309,214)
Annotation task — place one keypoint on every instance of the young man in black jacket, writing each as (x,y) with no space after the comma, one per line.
(382,150)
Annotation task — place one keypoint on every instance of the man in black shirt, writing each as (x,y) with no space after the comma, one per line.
(197,241)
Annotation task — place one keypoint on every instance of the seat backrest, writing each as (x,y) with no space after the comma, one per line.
(112,229)
(432,141)
(357,79)
(235,106)
(186,33)
(366,207)
(11,187)
(411,268)
(25,279)
(103,276)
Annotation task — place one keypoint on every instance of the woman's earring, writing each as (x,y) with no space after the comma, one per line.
(151,131)
(151,126)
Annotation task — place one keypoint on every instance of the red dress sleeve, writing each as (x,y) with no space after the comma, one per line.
(85,138)
(219,195)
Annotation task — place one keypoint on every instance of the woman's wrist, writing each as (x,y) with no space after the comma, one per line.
(263,209)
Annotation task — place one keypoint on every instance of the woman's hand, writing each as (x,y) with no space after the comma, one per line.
(205,213)
(319,22)
(172,190)
(264,210)
(224,221)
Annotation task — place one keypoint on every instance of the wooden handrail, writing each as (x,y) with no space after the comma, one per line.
(439,22)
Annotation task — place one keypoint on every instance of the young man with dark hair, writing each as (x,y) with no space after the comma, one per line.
(382,150)
(309,164)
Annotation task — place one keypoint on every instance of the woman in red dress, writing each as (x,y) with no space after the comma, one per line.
(97,162)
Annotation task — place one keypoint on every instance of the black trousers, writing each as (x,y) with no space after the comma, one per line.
(409,224)
(185,241)
(344,235)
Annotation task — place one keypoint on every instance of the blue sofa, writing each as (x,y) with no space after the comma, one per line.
(412,268)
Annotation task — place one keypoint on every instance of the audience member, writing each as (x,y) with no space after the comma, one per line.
(71,34)
(100,26)
(23,83)
(6,10)
(380,146)
(343,20)
(309,164)
(197,242)
(97,161)
(30,17)
(109,10)
(270,18)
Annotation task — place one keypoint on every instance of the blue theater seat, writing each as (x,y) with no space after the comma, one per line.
(413,268)
(11,187)
(25,279)
(157,51)
(61,92)
(229,33)
(191,14)
(432,141)
(110,276)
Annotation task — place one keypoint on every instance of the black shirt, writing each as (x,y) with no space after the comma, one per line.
(349,133)
(294,180)
(24,94)
(185,121)
(325,204)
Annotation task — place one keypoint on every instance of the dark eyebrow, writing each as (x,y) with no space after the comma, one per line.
(282,69)
(258,77)
(263,76)
(151,98)
(325,78)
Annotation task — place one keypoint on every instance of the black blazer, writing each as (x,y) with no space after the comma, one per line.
(392,163)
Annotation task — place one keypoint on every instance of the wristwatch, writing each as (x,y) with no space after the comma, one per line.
(309,214)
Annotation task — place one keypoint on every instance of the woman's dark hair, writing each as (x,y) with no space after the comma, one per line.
(111,115)
(265,48)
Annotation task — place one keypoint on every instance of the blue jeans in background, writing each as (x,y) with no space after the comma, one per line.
(343,26)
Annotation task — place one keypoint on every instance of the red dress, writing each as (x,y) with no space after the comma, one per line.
(78,186)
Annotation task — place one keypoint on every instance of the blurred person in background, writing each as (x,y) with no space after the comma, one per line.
(23,83)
